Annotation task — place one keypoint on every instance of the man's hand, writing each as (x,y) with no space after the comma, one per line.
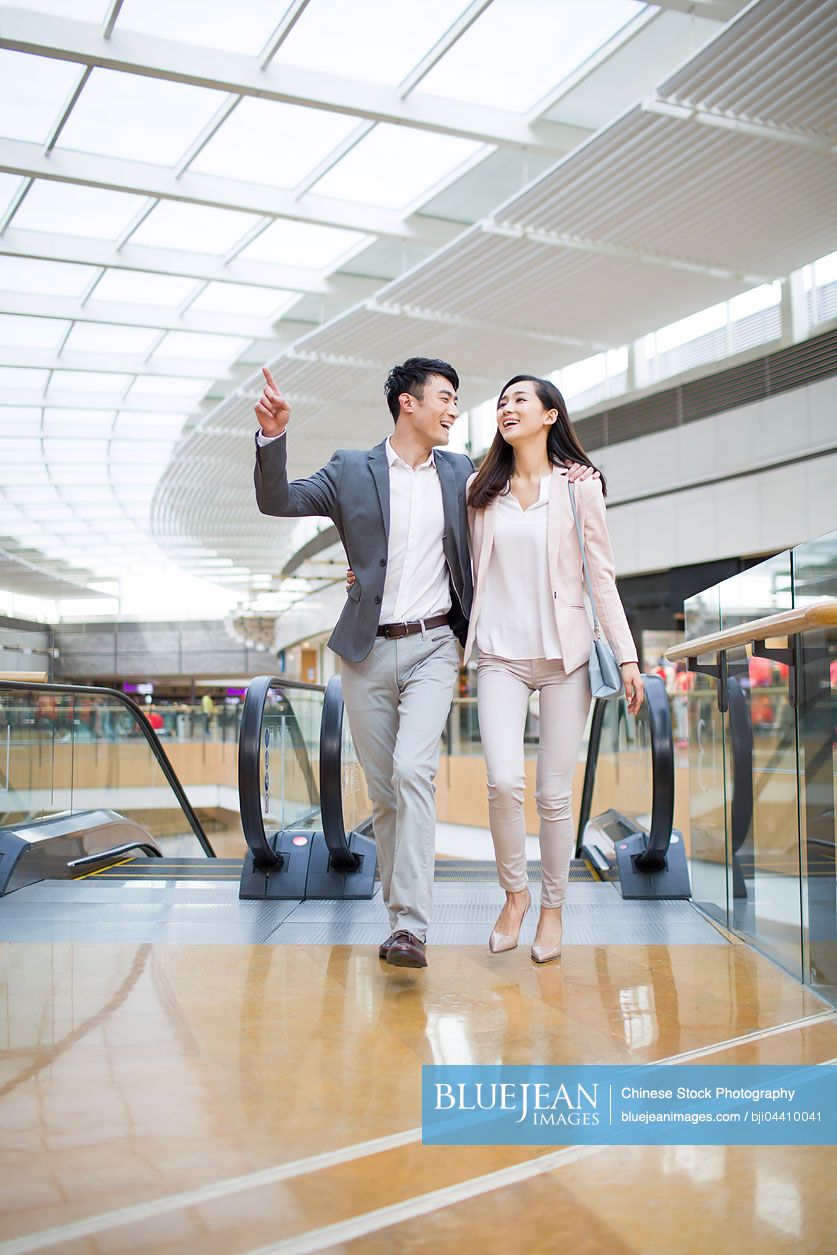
(577,470)
(272,410)
(350,578)
(634,686)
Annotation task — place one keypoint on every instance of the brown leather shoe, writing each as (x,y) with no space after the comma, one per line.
(383,948)
(405,950)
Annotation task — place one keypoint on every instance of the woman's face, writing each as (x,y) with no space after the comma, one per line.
(521,414)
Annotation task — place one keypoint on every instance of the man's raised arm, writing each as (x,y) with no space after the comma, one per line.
(315,495)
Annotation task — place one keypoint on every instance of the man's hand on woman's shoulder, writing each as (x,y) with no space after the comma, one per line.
(577,471)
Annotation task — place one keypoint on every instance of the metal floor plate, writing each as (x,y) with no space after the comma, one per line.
(210,912)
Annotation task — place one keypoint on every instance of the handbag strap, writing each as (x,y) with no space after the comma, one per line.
(587,580)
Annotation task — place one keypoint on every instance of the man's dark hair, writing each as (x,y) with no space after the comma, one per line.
(411,377)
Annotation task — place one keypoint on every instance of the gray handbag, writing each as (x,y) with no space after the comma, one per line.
(605,676)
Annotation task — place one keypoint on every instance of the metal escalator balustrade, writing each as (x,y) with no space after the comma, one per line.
(84,781)
(626,821)
(304,809)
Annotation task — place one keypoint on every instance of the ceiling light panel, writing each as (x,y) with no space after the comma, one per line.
(518,50)
(193,228)
(244,299)
(34,92)
(394,166)
(139,118)
(263,141)
(98,337)
(206,23)
(377,41)
(134,287)
(45,278)
(287,243)
(32,333)
(71,209)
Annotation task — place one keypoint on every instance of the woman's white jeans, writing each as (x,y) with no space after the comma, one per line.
(503,689)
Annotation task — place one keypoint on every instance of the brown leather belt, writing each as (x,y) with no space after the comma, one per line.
(394,631)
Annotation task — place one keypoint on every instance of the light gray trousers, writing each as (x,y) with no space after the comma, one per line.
(503,689)
(397,701)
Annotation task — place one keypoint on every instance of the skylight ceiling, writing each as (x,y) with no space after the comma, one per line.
(198,185)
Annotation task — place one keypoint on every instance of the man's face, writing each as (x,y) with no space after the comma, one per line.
(433,414)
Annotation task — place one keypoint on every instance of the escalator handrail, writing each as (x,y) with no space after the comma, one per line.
(249,763)
(331,778)
(653,858)
(145,727)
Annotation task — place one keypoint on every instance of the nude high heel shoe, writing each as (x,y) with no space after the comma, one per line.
(498,941)
(545,954)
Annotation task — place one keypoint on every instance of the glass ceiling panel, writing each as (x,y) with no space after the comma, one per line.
(288,243)
(263,141)
(88,381)
(34,92)
(130,423)
(22,377)
(170,386)
(9,187)
(72,209)
(193,345)
(243,298)
(81,10)
(143,119)
(134,287)
(193,228)
(394,166)
(210,23)
(378,41)
(53,278)
(518,50)
(95,451)
(64,420)
(32,333)
(98,337)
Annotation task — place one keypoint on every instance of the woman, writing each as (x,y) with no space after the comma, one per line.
(533,633)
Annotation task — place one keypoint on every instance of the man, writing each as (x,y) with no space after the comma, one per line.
(400,511)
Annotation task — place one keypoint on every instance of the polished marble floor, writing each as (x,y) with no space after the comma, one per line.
(174,1098)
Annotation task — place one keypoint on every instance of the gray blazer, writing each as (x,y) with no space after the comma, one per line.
(353,491)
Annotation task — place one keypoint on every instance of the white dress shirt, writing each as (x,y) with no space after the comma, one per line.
(517,617)
(416,584)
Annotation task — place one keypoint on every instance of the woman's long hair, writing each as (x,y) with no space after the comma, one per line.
(562,445)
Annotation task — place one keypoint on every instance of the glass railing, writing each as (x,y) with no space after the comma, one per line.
(71,749)
(762,769)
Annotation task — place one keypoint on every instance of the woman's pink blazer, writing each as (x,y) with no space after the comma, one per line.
(565,570)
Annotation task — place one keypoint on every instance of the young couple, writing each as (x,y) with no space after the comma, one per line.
(441,552)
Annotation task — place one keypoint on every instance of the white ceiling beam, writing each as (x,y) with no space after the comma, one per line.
(731,122)
(141,179)
(125,315)
(45,246)
(121,364)
(289,20)
(82,43)
(552,239)
(33,398)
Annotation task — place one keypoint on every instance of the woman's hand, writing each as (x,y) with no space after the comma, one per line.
(634,686)
(272,410)
(350,578)
(577,470)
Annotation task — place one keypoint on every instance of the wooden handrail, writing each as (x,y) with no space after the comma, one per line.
(788,623)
